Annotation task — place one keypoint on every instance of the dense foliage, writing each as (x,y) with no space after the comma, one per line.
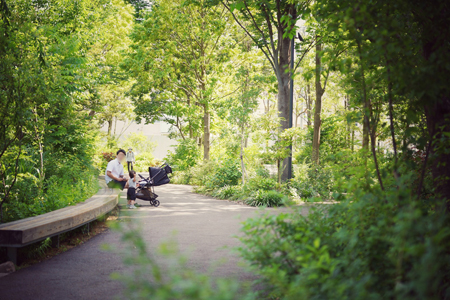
(371,129)
(53,63)
(370,84)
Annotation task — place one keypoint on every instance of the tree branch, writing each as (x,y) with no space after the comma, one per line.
(250,35)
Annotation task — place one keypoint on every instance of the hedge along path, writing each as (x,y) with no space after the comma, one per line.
(27,231)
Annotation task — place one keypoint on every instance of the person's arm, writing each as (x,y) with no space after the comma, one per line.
(114,177)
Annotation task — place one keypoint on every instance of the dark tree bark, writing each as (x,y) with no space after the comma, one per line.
(318,106)
(433,18)
(308,105)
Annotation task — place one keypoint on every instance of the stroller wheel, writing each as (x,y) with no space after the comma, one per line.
(156,203)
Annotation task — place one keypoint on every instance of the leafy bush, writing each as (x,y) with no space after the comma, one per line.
(108,156)
(186,155)
(318,182)
(227,192)
(260,183)
(69,181)
(266,198)
(143,161)
(371,247)
(202,171)
(181,177)
(227,172)
(262,172)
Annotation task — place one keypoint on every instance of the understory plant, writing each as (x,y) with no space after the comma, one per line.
(266,198)
(372,246)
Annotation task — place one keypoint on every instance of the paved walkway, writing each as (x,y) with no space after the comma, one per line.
(204,227)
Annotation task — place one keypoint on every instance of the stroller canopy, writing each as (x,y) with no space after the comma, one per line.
(158,176)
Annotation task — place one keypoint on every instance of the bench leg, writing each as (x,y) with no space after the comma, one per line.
(55,241)
(12,254)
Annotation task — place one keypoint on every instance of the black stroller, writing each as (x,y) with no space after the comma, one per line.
(146,189)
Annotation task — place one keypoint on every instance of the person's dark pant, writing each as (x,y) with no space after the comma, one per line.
(131,194)
(114,184)
(128,164)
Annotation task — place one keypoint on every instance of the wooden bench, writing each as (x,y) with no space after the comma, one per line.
(27,231)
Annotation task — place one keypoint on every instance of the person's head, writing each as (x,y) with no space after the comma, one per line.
(121,154)
(132,173)
(130,149)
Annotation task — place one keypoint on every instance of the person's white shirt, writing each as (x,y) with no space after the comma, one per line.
(116,169)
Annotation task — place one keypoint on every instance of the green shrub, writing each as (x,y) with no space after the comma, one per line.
(181,177)
(226,172)
(266,198)
(260,183)
(67,182)
(318,182)
(262,172)
(202,171)
(305,189)
(374,246)
(186,155)
(143,161)
(227,192)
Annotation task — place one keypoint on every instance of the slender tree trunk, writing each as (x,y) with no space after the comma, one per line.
(179,128)
(41,151)
(242,153)
(284,79)
(353,140)
(191,133)
(206,132)
(349,131)
(318,107)
(308,104)
(365,137)
(110,122)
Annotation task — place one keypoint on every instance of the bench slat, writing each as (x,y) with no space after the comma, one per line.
(26,231)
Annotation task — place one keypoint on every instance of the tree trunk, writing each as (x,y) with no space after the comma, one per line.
(109,127)
(284,79)
(191,133)
(349,131)
(438,123)
(206,132)
(318,107)
(353,140)
(365,141)
(308,105)
(242,153)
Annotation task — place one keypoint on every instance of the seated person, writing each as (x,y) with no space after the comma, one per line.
(114,172)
